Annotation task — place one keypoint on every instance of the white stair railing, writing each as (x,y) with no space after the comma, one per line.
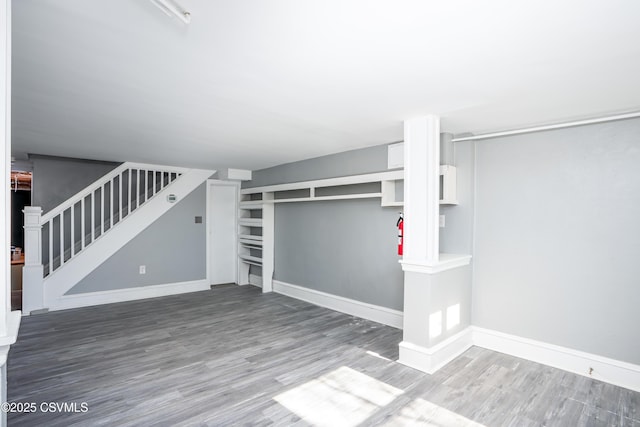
(84,218)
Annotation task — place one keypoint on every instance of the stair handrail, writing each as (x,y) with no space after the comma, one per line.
(102,181)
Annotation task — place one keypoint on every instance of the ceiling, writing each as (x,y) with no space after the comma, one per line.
(255,83)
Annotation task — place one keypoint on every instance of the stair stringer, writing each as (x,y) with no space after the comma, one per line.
(67,276)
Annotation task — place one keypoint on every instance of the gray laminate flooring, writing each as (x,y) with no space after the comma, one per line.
(233,356)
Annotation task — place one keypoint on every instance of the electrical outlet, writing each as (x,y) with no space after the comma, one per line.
(441,221)
(143,269)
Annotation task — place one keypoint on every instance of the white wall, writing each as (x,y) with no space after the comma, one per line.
(557,240)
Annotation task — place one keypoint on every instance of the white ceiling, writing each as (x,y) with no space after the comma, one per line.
(254,83)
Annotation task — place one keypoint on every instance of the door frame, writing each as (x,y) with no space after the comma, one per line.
(210,184)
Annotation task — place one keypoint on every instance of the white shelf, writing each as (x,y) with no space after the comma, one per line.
(329,182)
(442,202)
(321,198)
(445,262)
(252,204)
(250,237)
(254,260)
(250,222)
(252,244)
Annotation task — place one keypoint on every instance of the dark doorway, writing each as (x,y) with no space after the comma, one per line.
(20,197)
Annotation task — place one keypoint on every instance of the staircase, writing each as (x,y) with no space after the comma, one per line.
(80,234)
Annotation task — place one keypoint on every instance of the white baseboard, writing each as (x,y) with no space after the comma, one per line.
(383,315)
(431,359)
(128,294)
(612,371)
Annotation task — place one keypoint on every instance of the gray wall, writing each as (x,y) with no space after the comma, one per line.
(457,235)
(55,179)
(354,162)
(173,248)
(346,247)
(558,238)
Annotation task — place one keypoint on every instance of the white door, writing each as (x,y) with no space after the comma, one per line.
(222,229)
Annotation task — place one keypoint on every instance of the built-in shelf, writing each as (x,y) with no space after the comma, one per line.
(265,198)
(390,204)
(337,197)
(253,204)
(249,259)
(442,202)
(329,182)
(445,262)
(387,193)
(252,237)
(447,189)
(251,244)
(250,222)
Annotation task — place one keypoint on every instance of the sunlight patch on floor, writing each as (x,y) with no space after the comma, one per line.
(343,397)
(420,412)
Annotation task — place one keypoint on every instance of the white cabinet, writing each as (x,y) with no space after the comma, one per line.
(249,235)
(255,239)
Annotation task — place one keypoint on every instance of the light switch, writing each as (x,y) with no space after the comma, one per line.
(441,221)
(143,269)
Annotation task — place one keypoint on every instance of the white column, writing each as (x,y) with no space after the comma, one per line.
(421,190)
(32,272)
(434,286)
(268,237)
(32,235)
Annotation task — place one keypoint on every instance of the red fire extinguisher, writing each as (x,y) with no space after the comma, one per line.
(400,225)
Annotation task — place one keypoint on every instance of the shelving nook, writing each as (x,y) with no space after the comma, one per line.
(256,211)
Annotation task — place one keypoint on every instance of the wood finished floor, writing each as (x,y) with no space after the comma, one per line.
(233,356)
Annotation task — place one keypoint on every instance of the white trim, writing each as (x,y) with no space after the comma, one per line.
(325,198)
(431,359)
(268,242)
(128,294)
(13,325)
(613,371)
(68,275)
(550,127)
(231,174)
(211,183)
(329,182)
(379,314)
(446,262)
